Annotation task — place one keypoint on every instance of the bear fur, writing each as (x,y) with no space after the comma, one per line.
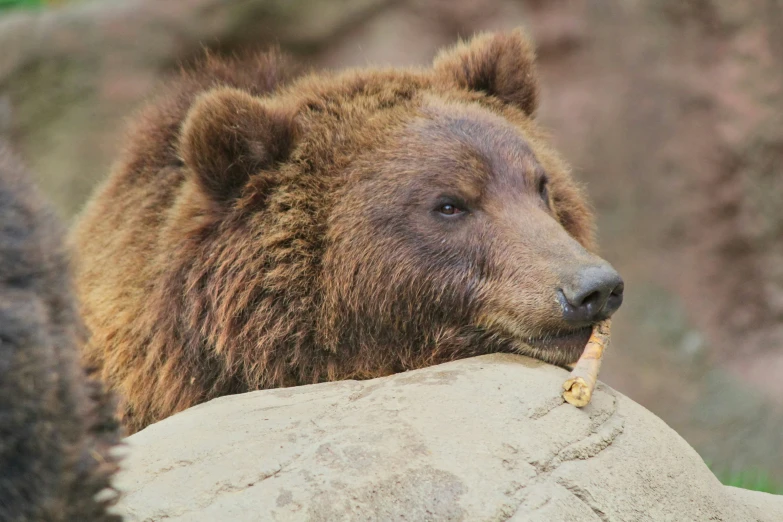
(266,229)
(56,426)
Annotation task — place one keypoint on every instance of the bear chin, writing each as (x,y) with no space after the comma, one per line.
(560,348)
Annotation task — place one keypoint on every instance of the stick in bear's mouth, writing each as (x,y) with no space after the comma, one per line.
(578,389)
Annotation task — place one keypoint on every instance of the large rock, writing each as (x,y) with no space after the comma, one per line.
(479,439)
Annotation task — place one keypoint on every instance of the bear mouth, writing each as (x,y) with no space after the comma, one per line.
(567,346)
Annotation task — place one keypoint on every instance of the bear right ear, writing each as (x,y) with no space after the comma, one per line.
(229,135)
(501,65)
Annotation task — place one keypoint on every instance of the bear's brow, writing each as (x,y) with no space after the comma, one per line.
(447,151)
(508,157)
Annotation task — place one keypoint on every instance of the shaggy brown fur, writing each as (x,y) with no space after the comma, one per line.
(55,426)
(263,230)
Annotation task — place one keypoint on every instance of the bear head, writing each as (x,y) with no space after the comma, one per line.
(409,217)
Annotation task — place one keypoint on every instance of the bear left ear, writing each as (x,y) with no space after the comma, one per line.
(229,135)
(501,65)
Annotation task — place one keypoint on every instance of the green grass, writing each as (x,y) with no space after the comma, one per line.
(6,4)
(750,479)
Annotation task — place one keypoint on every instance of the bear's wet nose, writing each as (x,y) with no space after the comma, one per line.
(594,294)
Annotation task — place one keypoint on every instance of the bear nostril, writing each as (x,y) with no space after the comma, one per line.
(591,299)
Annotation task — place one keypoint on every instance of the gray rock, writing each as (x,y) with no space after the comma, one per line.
(483,439)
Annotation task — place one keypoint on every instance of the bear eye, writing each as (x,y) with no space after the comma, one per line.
(449,209)
(450,206)
(543,189)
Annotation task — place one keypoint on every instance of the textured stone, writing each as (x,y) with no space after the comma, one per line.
(480,439)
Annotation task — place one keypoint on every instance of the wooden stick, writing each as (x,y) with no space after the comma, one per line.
(581,383)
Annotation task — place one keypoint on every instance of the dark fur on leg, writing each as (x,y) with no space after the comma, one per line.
(56,425)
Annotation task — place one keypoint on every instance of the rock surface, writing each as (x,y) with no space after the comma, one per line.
(483,439)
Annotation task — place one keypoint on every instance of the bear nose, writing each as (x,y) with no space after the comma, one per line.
(593,295)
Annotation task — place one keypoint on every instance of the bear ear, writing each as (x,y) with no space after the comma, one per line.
(229,135)
(502,65)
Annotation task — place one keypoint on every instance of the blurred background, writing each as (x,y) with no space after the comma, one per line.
(671,112)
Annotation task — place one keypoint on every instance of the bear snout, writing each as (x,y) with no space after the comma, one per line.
(594,293)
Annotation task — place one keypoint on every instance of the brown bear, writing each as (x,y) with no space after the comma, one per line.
(265,229)
(56,426)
